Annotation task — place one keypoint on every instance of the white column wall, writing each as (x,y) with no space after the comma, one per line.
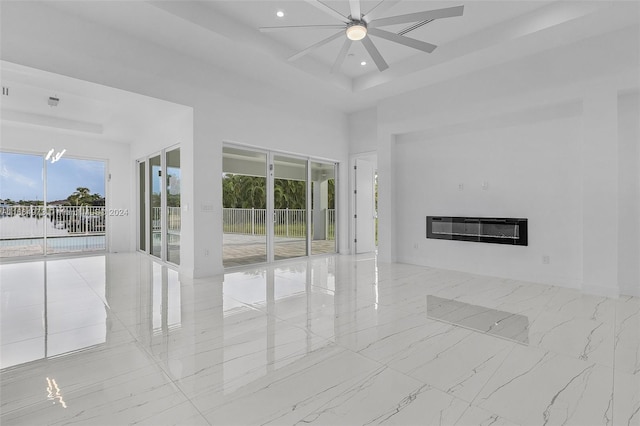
(629,192)
(600,191)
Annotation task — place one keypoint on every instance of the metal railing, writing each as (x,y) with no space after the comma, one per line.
(174,219)
(26,221)
(290,222)
(244,221)
(287,222)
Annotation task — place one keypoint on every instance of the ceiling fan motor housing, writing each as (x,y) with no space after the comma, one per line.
(356,30)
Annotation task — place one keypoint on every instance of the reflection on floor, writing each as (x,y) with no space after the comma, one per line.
(492,321)
(119,339)
(34,246)
(241,250)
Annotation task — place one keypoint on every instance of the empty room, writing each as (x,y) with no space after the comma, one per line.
(336,212)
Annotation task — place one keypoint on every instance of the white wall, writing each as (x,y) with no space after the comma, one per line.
(226,107)
(363,130)
(173,130)
(558,114)
(529,170)
(38,141)
(629,187)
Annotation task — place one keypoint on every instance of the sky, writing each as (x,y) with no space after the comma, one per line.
(173,181)
(21,177)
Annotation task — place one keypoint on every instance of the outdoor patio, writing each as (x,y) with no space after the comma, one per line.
(241,249)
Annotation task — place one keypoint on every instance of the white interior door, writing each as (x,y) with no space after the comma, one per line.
(365,207)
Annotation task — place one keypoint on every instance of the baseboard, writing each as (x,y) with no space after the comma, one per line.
(596,290)
(630,290)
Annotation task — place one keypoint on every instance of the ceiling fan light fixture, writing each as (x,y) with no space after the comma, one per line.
(356,31)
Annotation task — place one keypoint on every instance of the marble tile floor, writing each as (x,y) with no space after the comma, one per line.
(119,339)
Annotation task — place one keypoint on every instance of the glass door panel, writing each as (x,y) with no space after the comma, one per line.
(290,207)
(155,204)
(173,206)
(142,210)
(244,202)
(323,213)
(22,216)
(75,206)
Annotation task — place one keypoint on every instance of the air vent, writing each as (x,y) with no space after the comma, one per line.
(414,26)
(5,91)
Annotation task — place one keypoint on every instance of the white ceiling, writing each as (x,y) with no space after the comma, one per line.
(101,112)
(477,15)
(225,34)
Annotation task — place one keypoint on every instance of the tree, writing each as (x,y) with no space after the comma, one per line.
(241,191)
(82,196)
(289,194)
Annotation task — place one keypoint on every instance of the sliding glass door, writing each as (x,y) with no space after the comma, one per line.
(75,205)
(323,207)
(142,205)
(244,203)
(173,209)
(276,206)
(290,207)
(22,218)
(50,204)
(159,205)
(155,204)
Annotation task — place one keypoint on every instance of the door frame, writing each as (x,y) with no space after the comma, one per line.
(371,156)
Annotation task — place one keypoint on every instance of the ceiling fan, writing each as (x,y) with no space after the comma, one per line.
(359,27)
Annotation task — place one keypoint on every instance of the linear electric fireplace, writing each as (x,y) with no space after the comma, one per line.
(497,230)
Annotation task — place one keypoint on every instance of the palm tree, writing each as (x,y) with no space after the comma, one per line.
(242,191)
(289,194)
(82,197)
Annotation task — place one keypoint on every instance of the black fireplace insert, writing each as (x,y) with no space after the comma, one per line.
(497,230)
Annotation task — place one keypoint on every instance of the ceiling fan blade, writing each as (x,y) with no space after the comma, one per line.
(301,27)
(328,10)
(411,42)
(418,16)
(375,54)
(381,7)
(343,54)
(355,9)
(315,46)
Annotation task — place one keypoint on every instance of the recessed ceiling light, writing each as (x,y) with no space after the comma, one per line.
(280,14)
(363,63)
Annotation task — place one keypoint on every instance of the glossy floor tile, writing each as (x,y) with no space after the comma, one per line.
(492,321)
(120,339)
